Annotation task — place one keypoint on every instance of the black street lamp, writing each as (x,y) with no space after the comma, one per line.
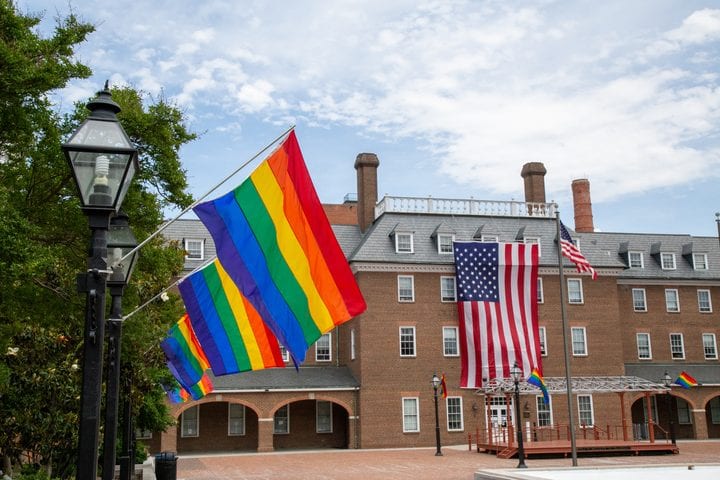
(436,385)
(667,381)
(103,162)
(121,242)
(516,374)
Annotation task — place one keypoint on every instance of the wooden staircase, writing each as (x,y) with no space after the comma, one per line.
(508,452)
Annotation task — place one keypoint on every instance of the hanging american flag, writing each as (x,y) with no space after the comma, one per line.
(497,305)
(569,250)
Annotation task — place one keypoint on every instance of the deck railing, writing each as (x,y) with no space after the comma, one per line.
(448,206)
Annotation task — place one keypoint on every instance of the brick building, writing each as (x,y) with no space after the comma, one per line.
(367,383)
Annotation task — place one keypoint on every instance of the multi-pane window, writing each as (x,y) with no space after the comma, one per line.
(543,341)
(639,302)
(544,412)
(189,422)
(700,261)
(541,295)
(672,302)
(194,249)
(323,417)
(667,261)
(635,260)
(454,414)
(489,238)
(585,410)
(683,411)
(714,406)
(445,243)
(579,344)
(677,346)
(644,348)
(533,241)
(143,434)
(323,352)
(352,344)
(575,292)
(709,346)
(407,341)
(704,303)
(236,419)
(411,415)
(450,342)
(403,242)
(285,354)
(281,420)
(447,289)
(406,288)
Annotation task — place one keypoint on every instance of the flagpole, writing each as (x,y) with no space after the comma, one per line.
(227,177)
(563,314)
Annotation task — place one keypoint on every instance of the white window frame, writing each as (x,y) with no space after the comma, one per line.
(682,346)
(402,296)
(404,332)
(709,355)
(539,404)
(632,263)
(534,241)
(321,428)
(404,246)
(411,415)
(489,238)
(700,265)
(701,308)
(649,345)
(667,261)
(445,296)
(352,344)
(636,306)
(451,342)
(670,305)
(442,244)
(542,337)
(577,281)
(143,434)
(277,427)
(189,255)
(326,356)
(454,415)
(591,411)
(231,433)
(185,429)
(584,353)
(683,411)
(540,293)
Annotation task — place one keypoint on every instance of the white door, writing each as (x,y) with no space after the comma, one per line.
(499,418)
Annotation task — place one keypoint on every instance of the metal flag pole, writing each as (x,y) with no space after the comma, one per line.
(565,328)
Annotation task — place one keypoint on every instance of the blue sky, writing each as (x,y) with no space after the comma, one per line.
(453,96)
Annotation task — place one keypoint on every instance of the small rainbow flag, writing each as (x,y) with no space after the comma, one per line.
(536,379)
(685,380)
(202,388)
(177,394)
(443,385)
(186,358)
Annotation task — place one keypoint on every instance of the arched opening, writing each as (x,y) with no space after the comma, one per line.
(712,416)
(217,427)
(665,409)
(310,424)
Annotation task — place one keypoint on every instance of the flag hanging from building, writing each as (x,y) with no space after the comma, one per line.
(185,356)
(233,336)
(685,380)
(537,380)
(274,240)
(497,305)
(443,385)
(202,388)
(176,393)
(572,252)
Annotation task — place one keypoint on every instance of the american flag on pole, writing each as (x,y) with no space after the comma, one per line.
(497,305)
(569,250)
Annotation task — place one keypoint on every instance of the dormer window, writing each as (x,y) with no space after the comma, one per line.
(194,249)
(667,261)
(403,242)
(635,260)
(700,261)
(490,238)
(445,243)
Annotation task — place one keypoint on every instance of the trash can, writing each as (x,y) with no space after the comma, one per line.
(166,466)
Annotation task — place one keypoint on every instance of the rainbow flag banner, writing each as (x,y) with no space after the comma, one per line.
(537,380)
(275,242)
(685,380)
(177,394)
(233,335)
(202,388)
(186,358)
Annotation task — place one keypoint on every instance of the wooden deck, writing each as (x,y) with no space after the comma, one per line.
(583,447)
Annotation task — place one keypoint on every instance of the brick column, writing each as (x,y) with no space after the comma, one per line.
(700,424)
(168,439)
(265,435)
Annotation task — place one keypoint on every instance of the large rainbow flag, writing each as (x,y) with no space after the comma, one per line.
(186,358)
(275,242)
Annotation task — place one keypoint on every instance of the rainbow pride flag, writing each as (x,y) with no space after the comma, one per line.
(537,380)
(186,358)
(233,335)
(202,388)
(177,394)
(274,240)
(685,380)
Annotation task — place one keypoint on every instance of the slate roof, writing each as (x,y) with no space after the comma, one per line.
(704,374)
(315,378)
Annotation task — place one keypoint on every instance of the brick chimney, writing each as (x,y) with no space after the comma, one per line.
(534,175)
(366,165)
(582,206)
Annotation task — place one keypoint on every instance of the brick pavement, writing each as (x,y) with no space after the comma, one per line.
(416,464)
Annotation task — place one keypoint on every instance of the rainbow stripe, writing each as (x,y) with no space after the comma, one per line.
(202,388)
(685,380)
(274,239)
(536,379)
(231,331)
(177,394)
(186,358)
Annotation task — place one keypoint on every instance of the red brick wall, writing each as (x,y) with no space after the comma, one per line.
(213,429)
(303,429)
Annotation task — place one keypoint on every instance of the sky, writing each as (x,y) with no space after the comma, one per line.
(453,96)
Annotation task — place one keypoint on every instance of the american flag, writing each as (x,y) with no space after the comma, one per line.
(497,305)
(569,250)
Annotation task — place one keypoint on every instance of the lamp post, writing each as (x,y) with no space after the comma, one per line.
(103,163)
(516,374)
(121,241)
(667,381)
(436,385)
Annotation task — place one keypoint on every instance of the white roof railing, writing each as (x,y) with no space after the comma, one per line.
(449,206)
